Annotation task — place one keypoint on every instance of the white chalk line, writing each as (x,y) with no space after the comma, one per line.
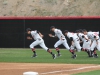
(70,70)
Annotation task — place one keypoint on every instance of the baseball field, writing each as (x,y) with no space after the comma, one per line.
(15,61)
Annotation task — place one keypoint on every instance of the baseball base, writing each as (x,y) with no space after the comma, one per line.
(30,73)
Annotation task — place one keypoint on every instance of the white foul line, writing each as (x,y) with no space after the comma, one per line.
(70,70)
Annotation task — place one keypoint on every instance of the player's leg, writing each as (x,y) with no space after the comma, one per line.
(98,45)
(95,53)
(66,44)
(92,48)
(73,51)
(77,45)
(68,48)
(86,47)
(97,48)
(47,49)
(35,43)
(79,48)
(56,47)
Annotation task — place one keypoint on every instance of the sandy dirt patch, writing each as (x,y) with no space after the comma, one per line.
(45,68)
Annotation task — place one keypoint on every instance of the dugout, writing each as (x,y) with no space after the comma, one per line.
(12,29)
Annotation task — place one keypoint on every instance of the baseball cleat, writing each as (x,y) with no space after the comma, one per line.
(34,55)
(59,55)
(54,56)
(74,56)
(92,55)
(95,56)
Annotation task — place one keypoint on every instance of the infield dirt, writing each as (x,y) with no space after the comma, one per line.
(64,69)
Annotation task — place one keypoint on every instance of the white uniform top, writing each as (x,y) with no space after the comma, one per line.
(73,35)
(59,34)
(83,39)
(35,35)
(92,34)
(96,33)
(80,36)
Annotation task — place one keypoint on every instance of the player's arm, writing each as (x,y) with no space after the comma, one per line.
(60,33)
(91,42)
(40,34)
(85,38)
(71,39)
(62,38)
(50,35)
(29,38)
(96,38)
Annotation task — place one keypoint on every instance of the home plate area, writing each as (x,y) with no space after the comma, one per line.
(45,68)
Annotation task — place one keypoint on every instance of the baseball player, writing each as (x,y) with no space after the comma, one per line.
(37,36)
(86,41)
(75,42)
(94,36)
(62,40)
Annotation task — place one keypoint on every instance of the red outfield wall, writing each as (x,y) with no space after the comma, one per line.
(48,17)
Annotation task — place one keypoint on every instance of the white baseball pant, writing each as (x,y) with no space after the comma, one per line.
(64,42)
(86,44)
(77,45)
(94,44)
(40,43)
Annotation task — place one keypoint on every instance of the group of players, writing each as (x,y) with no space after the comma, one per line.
(90,40)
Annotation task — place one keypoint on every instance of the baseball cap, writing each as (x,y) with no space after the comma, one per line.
(52,27)
(77,31)
(84,30)
(66,31)
(81,30)
(28,29)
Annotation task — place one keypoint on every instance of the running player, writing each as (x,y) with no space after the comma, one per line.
(85,40)
(94,36)
(75,42)
(37,36)
(62,40)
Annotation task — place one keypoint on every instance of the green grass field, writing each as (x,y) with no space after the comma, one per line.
(24,56)
(89,73)
(18,55)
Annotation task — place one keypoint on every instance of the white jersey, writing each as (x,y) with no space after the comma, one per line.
(96,33)
(59,34)
(92,34)
(35,35)
(75,40)
(80,35)
(86,37)
(73,35)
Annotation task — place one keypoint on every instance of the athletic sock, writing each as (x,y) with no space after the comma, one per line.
(34,51)
(72,51)
(58,51)
(50,52)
